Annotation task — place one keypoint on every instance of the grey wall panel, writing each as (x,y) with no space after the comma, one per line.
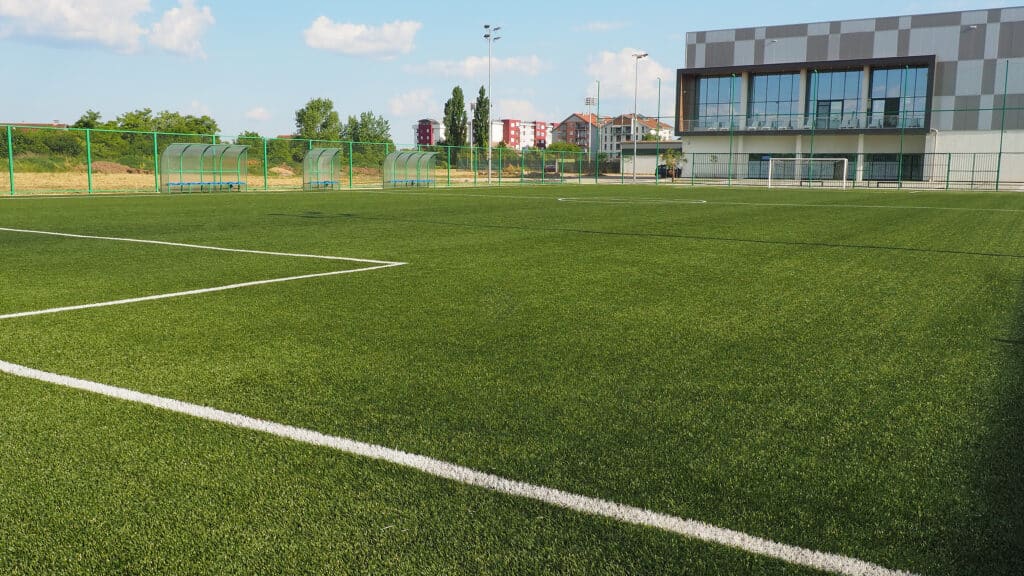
(744,53)
(849,26)
(935,20)
(945,78)
(817,48)
(744,34)
(1011,40)
(992,41)
(719,54)
(903,43)
(995,15)
(891,23)
(974,17)
(972,42)
(966,117)
(943,42)
(969,77)
(885,42)
(716,36)
(988,77)
(856,45)
(787,31)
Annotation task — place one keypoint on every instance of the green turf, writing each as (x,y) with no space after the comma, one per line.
(835,370)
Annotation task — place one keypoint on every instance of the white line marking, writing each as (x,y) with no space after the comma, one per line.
(192,292)
(461,474)
(198,246)
(597,200)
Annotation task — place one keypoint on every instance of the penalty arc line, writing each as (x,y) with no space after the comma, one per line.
(441,469)
(193,292)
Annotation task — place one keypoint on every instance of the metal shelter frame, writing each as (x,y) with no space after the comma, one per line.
(321,169)
(203,167)
(410,169)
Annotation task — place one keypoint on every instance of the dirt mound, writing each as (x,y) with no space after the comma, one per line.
(114,168)
(282,171)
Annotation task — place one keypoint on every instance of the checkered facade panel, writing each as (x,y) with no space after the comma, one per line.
(971,51)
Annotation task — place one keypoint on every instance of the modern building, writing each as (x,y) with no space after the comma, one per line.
(579,129)
(889,94)
(623,130)
(428,132)
(519,134)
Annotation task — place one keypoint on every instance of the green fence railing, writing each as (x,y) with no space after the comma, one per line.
(903,151)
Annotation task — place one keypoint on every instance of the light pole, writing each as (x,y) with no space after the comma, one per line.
(490,34)
(472,151)
(657,132)
(597,156)
(636,89)
(589,102)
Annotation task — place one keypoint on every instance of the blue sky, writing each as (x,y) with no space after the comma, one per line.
(251,64)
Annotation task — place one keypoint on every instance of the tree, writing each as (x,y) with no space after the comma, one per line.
(481,119)
(367,127)
(175,123)
(671,158)
(318,120)
(564,147)
(91,119)
(136,120)
(455,119)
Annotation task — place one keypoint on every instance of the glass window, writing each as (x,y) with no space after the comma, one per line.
(771,101)
(719,99)
(899,97)
(834,99)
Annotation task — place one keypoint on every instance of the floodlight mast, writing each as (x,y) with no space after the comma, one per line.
(491,35)
(636,88)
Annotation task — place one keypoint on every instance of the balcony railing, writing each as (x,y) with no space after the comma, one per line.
(803,122)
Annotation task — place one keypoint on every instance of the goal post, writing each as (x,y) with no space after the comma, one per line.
(809,171)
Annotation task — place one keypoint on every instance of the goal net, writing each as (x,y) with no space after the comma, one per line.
(831,172)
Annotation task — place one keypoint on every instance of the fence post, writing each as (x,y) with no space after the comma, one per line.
(266,161)
(903,124)
(349,165)
(579,168)
(88,158)
(10,158)
(974,162)
(543,166)
(1002,124)
(156,163)
(499,166)
(949,166)
(449,149)
(522,167)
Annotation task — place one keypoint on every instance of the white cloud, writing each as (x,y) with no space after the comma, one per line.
(180,30)
(603,26)
(615,71)
(517,110)
(415,103)
(387,40)
(199,109)
(477,66)
(258,113)
(110,23)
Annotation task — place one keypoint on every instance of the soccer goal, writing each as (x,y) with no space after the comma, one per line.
(808,172)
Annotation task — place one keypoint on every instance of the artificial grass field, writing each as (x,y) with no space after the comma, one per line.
(830,369)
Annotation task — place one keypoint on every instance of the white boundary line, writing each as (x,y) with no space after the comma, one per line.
(380,264)
(586,504)
(198,246)
(191,292)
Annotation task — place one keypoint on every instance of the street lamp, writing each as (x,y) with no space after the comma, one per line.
(491,35)
(636,88)
(589,102)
